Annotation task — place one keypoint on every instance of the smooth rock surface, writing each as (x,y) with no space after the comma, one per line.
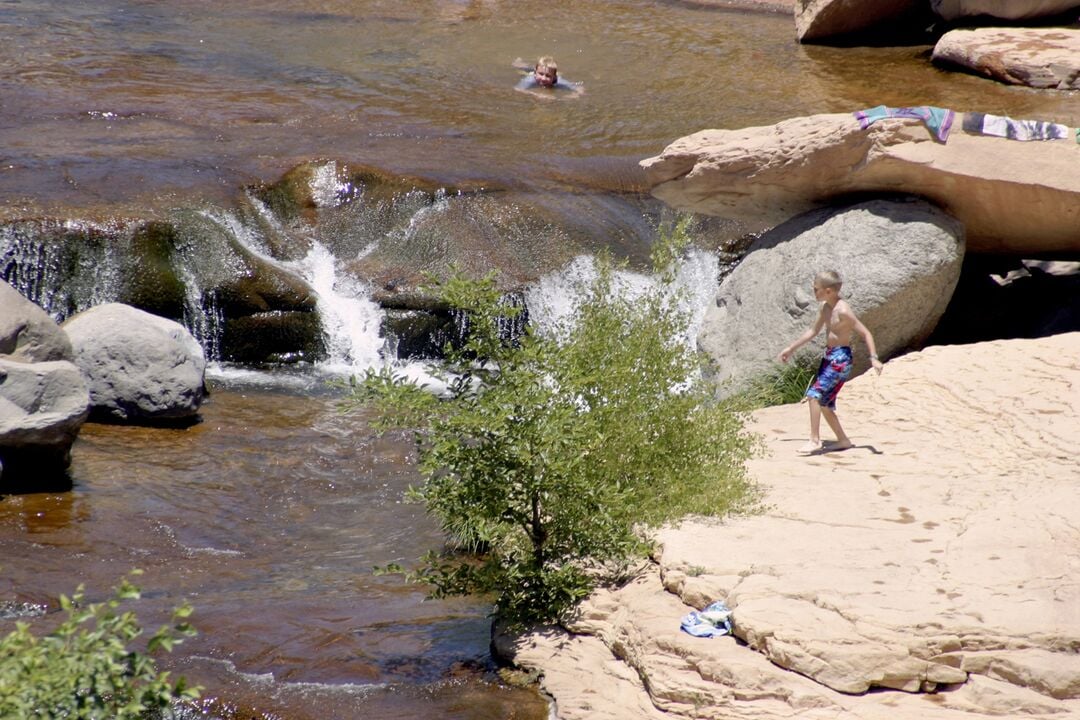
(944,545)
(899,259)
(27,333)
(139,367)
(42,407)
(1013,197)
(1035,57)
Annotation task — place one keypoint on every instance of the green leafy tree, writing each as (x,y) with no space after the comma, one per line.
(85,670)
(549,458)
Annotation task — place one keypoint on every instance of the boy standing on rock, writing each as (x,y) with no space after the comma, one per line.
(840,322)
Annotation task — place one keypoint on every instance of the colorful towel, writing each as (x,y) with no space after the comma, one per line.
(998,126)
(938,120)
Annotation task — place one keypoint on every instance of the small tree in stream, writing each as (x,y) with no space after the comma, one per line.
(550,457)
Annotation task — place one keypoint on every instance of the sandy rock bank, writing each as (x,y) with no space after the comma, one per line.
(941,553)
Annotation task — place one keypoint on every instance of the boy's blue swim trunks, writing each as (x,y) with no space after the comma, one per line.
(835,368)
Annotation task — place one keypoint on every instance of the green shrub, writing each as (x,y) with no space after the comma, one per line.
(550,458)
(84,668)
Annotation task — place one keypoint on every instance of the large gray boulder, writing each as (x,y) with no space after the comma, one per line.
(141,368)
(1046,58)
(27,333)
(42,407)
(899,259)
(1003,9)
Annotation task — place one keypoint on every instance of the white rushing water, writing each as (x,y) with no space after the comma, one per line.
(554,300)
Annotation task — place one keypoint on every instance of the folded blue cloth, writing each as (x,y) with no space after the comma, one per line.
(713,621)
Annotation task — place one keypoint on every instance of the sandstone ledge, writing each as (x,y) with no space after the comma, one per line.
(945,544)
(1013,197)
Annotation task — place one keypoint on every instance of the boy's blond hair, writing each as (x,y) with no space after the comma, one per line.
(547,62)
(829,279)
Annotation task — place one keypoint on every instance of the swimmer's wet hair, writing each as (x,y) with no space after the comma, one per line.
(548,62)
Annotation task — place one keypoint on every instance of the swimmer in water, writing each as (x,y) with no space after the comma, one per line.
(545,76)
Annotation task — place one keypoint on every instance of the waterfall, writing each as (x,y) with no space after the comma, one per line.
(63,267)
(351,321)
(554,300)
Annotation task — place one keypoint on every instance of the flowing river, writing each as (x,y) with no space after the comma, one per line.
(269,514)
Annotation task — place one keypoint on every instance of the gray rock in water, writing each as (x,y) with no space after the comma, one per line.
(42,407)
(140,367)
(899,260)
(27,333)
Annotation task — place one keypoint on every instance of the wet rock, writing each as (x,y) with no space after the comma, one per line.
(1035,57)
(306,188)
(27,333)
(140,368)
(273,337)
(417,333)
(899,259)
(42,407)
(1013,197)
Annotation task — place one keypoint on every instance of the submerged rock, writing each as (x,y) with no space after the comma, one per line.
(140,368)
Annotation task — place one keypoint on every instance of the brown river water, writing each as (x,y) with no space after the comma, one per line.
(269,514)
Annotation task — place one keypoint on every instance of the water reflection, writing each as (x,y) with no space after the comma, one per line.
(268,516)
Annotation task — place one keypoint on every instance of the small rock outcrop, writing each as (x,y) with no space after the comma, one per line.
(1034,57)
(140,368)
(27,333)
(1002,9)
(900,261)
(818,19)
(1013,197)
(42,407)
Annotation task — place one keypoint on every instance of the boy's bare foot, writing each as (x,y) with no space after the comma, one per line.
(838,445)
(810,448)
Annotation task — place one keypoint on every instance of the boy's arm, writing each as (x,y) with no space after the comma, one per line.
(806,337)
(868,339)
